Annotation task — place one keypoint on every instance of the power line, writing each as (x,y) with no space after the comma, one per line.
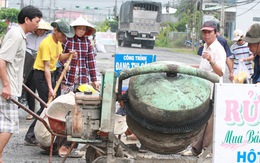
(249,9)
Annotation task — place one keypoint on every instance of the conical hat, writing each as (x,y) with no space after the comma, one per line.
(44,25)
(80,21)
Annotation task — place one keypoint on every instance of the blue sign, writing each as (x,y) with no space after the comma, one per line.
(128,61)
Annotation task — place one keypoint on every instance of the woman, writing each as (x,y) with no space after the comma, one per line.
(83,69)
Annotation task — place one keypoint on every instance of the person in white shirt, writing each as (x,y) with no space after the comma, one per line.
(213,59)
(12,54)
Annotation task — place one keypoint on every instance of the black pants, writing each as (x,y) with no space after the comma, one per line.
(43,91)
(31,85)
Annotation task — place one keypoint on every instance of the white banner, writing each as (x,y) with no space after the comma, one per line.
(106,38)
(236,123)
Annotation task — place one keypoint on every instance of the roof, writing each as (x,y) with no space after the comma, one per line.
(171,10)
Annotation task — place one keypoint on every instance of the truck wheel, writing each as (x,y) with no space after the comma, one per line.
(125,44)
(150,47)
(120,42)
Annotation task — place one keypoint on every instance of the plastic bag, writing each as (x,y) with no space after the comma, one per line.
(100,48)
(241,74)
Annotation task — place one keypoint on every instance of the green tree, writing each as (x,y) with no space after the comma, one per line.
(108,24)
(3,26)
(9,14)
(184,14)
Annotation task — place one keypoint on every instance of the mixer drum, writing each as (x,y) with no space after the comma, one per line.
(167,112)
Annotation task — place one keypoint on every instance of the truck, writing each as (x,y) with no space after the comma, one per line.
(139,23)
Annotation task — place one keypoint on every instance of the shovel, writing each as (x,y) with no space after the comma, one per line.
(61,77)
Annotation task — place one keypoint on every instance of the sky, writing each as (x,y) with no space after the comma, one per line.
(104,4)
(105,7)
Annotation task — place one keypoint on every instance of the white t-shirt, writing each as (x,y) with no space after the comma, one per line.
(218,56)
(13,52)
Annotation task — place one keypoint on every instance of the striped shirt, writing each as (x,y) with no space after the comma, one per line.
(84,65)
(239,52)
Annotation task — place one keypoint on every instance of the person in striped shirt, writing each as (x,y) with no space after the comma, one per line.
(241,52)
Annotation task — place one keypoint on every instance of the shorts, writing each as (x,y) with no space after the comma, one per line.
(9,116)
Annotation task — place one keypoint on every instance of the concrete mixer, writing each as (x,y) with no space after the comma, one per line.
(167,106)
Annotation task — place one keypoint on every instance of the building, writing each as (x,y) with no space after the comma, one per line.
(247,14)
(238,14)
(3,3)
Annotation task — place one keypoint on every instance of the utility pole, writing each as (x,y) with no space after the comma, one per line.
(194,24)
(222,19)
(167,30)
(188,26)
(21,4)
(200,19)
(115,12)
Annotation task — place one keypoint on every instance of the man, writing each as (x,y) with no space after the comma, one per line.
(223,42)
(49,52)
(12,54)
(253,39)
(213,60)
(212,55)
(33,41)
(240,51)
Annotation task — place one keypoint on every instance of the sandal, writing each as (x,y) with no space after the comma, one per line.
(73,154)
(44,152)
(63,151)
(29,117)
(76,154)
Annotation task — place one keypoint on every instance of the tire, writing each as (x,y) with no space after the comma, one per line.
(150,47)
(120,42)
(91,154)
(125,44)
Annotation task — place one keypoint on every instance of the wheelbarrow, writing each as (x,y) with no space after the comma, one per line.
(57,125)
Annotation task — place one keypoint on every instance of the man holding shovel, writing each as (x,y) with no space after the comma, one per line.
(12,54)
(49,52)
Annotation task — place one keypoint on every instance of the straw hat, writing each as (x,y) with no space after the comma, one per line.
(80,21)
(44,25)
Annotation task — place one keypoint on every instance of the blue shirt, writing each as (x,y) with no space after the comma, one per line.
(223,42)
(256,76)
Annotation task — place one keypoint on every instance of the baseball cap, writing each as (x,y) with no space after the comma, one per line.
(238,34)
(64,27)
(209,26)
(253,34)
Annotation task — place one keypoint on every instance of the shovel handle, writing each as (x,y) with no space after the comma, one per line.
(61,77)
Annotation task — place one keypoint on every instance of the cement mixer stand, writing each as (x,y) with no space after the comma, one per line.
(97,127)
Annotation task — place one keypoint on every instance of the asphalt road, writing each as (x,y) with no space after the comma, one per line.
(16,152)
